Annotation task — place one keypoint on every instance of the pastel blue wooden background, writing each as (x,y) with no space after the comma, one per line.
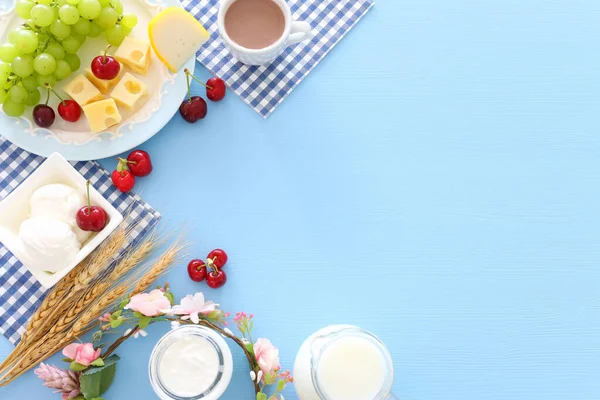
(436,181)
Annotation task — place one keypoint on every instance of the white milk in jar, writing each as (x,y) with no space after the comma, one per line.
(343,362)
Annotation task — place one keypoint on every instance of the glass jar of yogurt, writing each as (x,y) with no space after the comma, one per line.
(191,363)
(343,362)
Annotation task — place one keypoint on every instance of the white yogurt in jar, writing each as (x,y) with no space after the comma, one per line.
(191,362)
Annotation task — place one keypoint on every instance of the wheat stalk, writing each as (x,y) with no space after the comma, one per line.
(135,284)
(67,288)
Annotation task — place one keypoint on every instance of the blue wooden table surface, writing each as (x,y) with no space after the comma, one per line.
(435,180)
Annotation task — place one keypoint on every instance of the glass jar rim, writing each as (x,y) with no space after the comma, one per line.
(219,385)
(352,331)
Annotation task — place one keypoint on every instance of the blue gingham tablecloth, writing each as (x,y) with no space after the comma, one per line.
(263,88)
(20,293)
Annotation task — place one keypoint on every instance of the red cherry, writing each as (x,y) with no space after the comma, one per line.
(123,180)
(105,67)
(139,163)
(43,115)
(193,109)
(215,89)
(91,218)
(216,279)
(197,270)
(218,257)
(69,110)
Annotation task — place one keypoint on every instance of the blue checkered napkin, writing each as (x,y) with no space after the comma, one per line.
(20,293)
(265,87)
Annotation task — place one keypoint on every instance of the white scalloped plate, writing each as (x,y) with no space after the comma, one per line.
(73,140)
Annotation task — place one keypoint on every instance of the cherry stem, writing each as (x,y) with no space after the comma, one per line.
(187,80)
(87,184)
(187,72)
(50,89)
(105,51)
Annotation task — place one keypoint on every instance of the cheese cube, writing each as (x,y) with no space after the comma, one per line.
(176,36)
(135,54)
(103,85)
(101,115)
(83,91)
(128,91)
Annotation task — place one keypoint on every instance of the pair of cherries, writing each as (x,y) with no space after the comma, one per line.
(137,163)
(198,270)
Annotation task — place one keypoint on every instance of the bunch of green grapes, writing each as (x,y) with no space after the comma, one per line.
(44,49)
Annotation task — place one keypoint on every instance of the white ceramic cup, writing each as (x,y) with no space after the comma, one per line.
(294,32)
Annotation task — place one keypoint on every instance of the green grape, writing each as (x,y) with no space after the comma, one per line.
(71,44)
(56,51)
(59,29)
(44,64)
(30,83)
(118,6)
(108,17)
(26,41)
(61,3)
(43,1)
(46,79)
(42,15)
(13,109)
(63,70)
(3,95)
(104,3)
(18,94)
(129,20)
(89,9)
(82,27)
(80,38)
(95,30)
(12,35)
(22,66)
(115,35)
(5,70)
(23,8)
(73,61)
(8,52)
(73,2)
(68,14)
(33,98)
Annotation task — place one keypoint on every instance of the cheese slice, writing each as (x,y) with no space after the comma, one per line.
(136,54)
(176,36)
(102,84)
(101,115)
(83,91)
(129,91)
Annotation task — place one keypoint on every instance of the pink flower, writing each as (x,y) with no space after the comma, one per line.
(83,354)
(267,355)
(66,382)
(149,304)
(191,306)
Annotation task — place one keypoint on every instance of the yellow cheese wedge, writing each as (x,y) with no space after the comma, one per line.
(134,53)
(101,115)
(176,36)
(83,91)
(129,91)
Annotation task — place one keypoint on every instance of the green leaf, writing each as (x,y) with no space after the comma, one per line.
(144,322)
(98,362)
(107,363)
(116,314)
(96,381)
(115,323)
(97,398)
(97,336)
(123,303)
(67,360)
(261,396)
(80,397)
(75,366)
(137,314)
(280,385)
(170,296)
(250,348)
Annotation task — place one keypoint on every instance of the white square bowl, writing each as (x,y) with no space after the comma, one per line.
(15,208)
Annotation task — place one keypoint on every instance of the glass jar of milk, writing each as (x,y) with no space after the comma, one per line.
(343,362)
(190,363)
